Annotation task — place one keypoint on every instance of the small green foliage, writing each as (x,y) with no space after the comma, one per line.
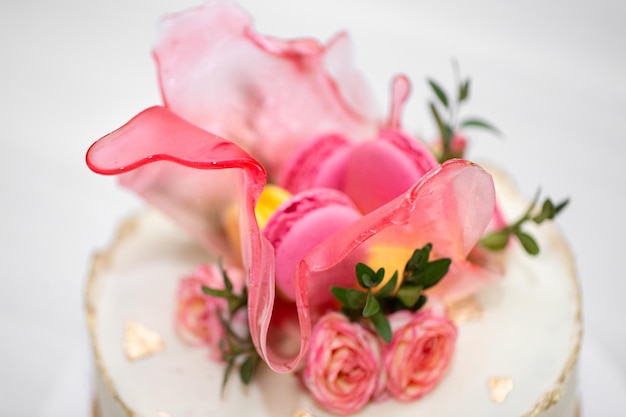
(419,271)
(248,367)
(419,274)
(441,95)
(381,324)
(528,242)
(447,120)
(464,90)
(498,239)
(372,306)
(237,350)
(479,123)
(389,287)
(409,295)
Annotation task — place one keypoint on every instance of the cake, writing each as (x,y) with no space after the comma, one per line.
(261,279)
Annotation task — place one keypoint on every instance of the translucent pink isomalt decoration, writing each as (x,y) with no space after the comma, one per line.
(262,93)
(153,154)
(449,207)
(400,91)
(194,198)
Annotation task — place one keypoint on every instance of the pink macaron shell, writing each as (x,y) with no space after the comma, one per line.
(301,224)
(319,163)
(378,171)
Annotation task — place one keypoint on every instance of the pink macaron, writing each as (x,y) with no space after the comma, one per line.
(300,224)
(371,172)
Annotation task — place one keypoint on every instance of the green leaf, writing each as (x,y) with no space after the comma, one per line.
(380,275)
(434,271)
(420,303)
(389,287)
(372,306)
(444,129)
(365,275)
(419,258)
(547,212)
(409,295)
(479,123)
(229,369)
(350,297)
(340,294)
(496,240)
(228,285)
(443,98)
(527,241)
(464,90)
(381,324)
(215,293)
(246,371)
(561,206)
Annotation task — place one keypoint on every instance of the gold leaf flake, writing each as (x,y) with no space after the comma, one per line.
(140,342)
(500,388)
(466,309)
(303,413)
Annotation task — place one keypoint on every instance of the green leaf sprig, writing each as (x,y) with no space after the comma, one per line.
(374,305)
(446,114)
(498,240)
(237,350)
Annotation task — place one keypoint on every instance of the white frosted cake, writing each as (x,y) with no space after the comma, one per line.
(305,256)
(517,349)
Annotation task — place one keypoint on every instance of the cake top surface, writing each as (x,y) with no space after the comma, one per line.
(338,240)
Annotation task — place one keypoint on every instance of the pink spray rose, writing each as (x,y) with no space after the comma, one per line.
(343,369)
(419,353)
(198,315)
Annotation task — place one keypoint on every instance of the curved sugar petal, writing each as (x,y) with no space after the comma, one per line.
(264,94)
(153,153)
(450,207)
(196,198)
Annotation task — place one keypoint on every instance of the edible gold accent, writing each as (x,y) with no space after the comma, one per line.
(549,399)
(94,409)
(101,261)
(499,388)
(140,342)
(303,413)
(466,309)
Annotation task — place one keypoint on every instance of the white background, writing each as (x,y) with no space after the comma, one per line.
(550,74)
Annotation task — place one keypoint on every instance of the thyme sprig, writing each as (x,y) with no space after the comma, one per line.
(498,239)
(237,350)
(446,113)
(374,303)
